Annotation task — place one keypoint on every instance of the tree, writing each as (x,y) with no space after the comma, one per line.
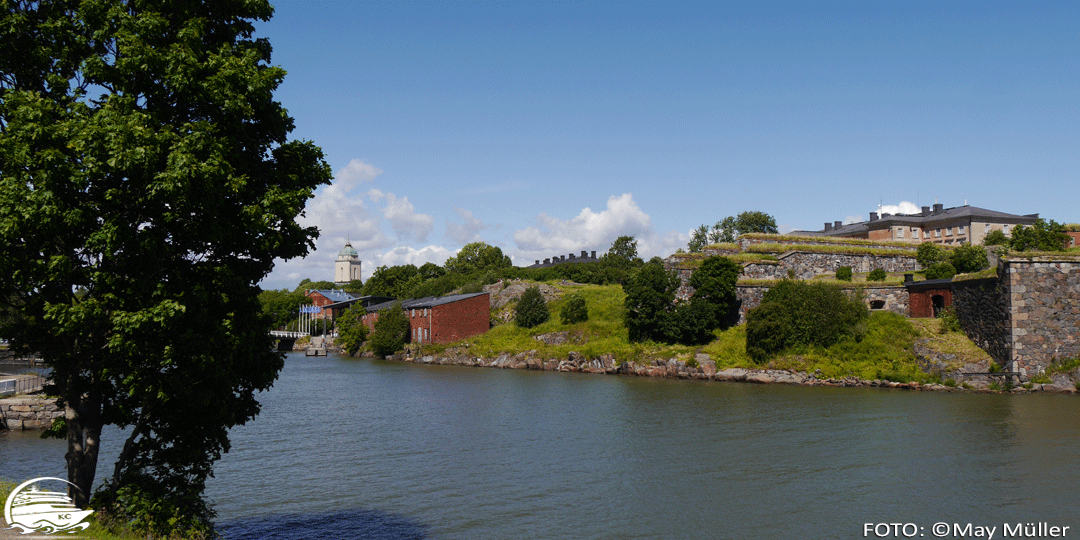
(1042,236)
(352,332)
(797,313)
(531,309)
(712,305)
(392,281)
(650,303)
(996,238)
(968,258)
(928,254)
(941,270)
(574,309)
(144,160)
(391,331)
(477,257)
(281,306)
(622,255)
(698,239)
(755,222)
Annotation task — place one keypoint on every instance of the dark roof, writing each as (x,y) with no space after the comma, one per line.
(334,295)
(426,302)
(925,219)
(365,301)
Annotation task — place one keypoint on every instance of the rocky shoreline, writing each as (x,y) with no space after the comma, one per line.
(702,367)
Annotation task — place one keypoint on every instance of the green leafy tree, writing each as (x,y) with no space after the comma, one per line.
(574,309)
(996,238)
(352,332)
(751,221)
(968,258)
(650,303)
(797,313)
(623,254)
(144,159)
(1042,236)
(928,254)
(281,306)
(392,281)
(698,239)
(391,331)
(477,257)
(531,309)
(941,270)
(725,230)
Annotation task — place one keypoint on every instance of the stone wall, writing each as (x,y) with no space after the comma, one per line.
(28,413)
(893,298)
(1044,297)
(746,242)
(983,309)
(807,264)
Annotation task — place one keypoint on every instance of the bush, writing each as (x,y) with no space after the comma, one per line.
(995,238)
(843,273)
(650,302)
(352,332)
(968,258)
(929,254)
(941,270)
(876,274)
(391,331)
(949,321)
(574,309)
(531,309)
(797,313)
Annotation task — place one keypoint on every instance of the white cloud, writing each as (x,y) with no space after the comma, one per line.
(853,219)
(904,207)
(596,231)
(467,232)
(355,173)
(407,255)
(401,214)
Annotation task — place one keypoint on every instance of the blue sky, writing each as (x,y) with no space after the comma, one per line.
(553,127)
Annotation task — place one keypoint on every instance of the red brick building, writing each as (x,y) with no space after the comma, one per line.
(927,298)
(441,319)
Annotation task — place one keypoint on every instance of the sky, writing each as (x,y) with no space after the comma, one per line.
(551,127)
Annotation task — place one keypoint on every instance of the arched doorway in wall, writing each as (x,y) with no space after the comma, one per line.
(938,301)
(877,304)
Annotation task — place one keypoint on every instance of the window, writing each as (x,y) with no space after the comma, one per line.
(899,232)
(427,334)
(987,228)
(937,233)
(960,230)
(948,231)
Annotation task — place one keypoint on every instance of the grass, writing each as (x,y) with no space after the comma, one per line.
(981,274)
(832,240)
(950,342)
(691,261)
(829,248)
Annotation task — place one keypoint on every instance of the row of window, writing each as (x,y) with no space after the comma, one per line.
(421,335)
(947,231)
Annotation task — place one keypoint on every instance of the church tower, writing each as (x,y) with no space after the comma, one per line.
(347,266)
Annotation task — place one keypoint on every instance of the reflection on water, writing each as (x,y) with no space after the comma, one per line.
(409,451)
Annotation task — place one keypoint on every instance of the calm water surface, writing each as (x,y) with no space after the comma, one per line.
(350,448)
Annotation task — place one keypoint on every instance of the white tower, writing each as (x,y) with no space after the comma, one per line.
(347,266)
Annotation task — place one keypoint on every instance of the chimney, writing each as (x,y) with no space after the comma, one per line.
(837,224)
(910,278)
(828,227)
(584,254)
(547,261)
(873,216)
(594,254)
(571,256)
(537,261)
(926,211)
(562,258)
(938,208)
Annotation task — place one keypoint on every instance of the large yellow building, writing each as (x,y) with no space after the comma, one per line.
(942,225)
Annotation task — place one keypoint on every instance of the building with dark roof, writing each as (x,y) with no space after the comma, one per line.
(941,225)
(440,319)
(586,257)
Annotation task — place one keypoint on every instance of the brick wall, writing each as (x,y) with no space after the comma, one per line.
(461,319)
(921,300)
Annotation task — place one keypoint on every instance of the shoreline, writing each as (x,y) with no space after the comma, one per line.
(704,370)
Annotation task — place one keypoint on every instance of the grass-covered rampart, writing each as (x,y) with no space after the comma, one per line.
(887,351)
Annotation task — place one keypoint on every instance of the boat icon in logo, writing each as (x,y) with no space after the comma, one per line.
(31,509)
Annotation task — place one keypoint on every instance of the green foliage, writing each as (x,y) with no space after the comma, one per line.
(391,331)
(698,239)
(531,309)
(151,509)
(1042,236)
(730,228)
(574,309)
(797,313)
(393,281)
(352,332)
(949,321)
(843,273)
(876,274)
(929,254)
(146,162)
(713,304)
(650,301)
(477,257)
(995,238)
(941,270)
(968,258)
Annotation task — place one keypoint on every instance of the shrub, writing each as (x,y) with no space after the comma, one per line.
(531,309)
(574,309)
(941,270)
(876,274)
(843,273)
(929,254)
(995,238)
(352,332)
(391,331)
(949,321)
(650,301)
(968,258)
(1042,236)
(797,313)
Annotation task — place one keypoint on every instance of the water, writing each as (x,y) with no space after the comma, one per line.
(368,449)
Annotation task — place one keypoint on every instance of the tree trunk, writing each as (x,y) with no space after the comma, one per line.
(83,416)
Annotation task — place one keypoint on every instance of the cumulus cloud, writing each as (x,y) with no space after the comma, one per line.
(408,255)
(466,232)
(355,173)
(904,207)
(401,214)
(591,230)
